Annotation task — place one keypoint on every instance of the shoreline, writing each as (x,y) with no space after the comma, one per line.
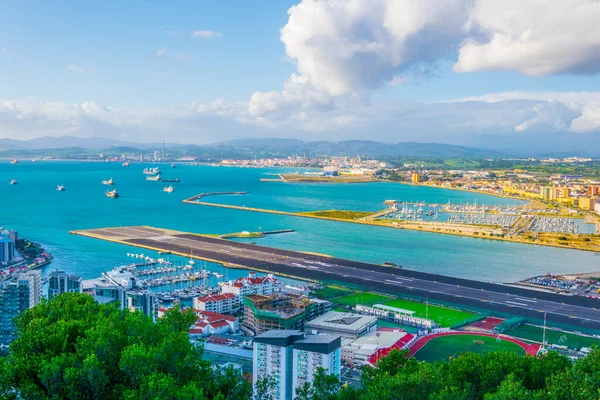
(416,227)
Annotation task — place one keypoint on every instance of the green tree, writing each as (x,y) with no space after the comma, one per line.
(264,388)
(74,348)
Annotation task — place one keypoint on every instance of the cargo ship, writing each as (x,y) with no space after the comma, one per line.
(155,178)
(151,171)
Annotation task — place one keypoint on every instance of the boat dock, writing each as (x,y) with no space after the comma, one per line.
(577,311)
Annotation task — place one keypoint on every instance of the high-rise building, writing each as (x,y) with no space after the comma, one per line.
(17,294)
(291,359)
(565,193)
(312,353)
(61,282)
(416,178)
(594,190)
(587,203)
(554,193)
(545,193)
(7,249)
(142,300)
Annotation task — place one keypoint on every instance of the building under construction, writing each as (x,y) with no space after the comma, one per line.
(280,311)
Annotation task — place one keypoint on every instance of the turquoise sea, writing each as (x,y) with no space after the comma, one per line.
(41,213)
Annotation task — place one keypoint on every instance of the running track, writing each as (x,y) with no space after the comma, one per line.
(530,349)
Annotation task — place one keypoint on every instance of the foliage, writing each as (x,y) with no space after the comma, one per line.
(494,376)
(74,348)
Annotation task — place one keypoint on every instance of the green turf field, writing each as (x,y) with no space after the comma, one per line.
(329,292)
(444,347)
(366,299)
(446,317)
(572,341)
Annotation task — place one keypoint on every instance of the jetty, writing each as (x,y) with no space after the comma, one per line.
(202,195)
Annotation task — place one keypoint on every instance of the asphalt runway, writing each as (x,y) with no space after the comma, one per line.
(570,310)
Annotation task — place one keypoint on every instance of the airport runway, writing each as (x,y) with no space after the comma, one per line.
(570,310)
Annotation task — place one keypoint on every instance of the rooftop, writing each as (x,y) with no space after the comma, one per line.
(341,320)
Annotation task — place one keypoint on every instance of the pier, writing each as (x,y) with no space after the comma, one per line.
(202,195)
(568,310)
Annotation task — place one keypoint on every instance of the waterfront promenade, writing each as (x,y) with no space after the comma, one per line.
(568,310)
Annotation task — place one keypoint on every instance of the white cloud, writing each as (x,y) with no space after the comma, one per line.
(3,50)
(80,68)
(565,97)
(206,34)
(177,56)
(534,37)
(398,80)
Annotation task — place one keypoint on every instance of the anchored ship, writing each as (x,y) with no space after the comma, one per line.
(113,194)
(60,188)
(155,178)
(15,161)
(12,182)
(169,189)
(109,182)
(151,171)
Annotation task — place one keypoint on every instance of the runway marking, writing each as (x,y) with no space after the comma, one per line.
(527,300)
(404,279)
(394,282)
(518,304)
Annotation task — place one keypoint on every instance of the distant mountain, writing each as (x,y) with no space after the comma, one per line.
(242,148)
(48,142)
(286,147)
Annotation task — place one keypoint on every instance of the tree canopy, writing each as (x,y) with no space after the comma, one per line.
(74,348)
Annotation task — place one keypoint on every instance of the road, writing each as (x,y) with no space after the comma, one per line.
(571,310)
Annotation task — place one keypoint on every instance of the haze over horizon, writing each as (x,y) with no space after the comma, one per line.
(479,73)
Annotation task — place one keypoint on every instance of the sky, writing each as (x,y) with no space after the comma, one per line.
(472,72)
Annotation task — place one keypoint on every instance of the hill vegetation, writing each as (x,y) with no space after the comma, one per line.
(74,348)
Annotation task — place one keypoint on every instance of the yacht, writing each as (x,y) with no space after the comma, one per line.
(155,178)
(109,182)
(126,164)
(113,194)
(15,161)
(172,165)
(60,188)
(12,182)
(169,189)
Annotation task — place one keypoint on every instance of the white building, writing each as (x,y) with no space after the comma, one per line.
(348,325)
(210,323)
(252,284)
(398,315)
(312,353)
(291,359)
(17,294)
(219,303)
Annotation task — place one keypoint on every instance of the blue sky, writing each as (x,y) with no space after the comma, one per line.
(333,71)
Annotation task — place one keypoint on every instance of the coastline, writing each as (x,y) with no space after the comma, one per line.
(422,227)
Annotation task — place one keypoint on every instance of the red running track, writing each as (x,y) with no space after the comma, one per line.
(530,349)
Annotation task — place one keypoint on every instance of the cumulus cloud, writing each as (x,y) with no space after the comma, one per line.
(161,53)
(534,37)
(80,68)
(206,34)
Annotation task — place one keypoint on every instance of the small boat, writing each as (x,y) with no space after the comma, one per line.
(176,180)
(169,189)
(172,165)
(61,188)
(15,161)
(12,182)
(109,182)
(151,171)
(113,194)
(33,160)
(155,178)
(126,164)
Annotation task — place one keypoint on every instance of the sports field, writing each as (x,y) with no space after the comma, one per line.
(444,347)
(446,317)
(535,333)
(329,292)
(366,299)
